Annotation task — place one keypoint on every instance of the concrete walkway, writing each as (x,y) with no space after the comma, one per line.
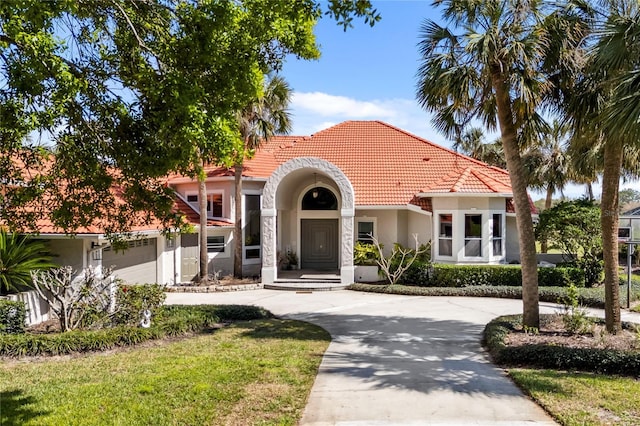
(399,360)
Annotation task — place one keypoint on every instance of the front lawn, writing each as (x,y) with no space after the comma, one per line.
(257,372)
(582,398)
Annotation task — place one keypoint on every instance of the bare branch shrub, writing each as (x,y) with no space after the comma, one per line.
(399,261)
(71,299)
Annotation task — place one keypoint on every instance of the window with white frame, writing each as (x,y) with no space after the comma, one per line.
(252,236)
(366,230)
(214,203)
(445,235)
(215,244)
(473,235)
(496,234)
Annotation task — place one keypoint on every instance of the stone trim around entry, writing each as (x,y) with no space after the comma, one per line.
(269,215)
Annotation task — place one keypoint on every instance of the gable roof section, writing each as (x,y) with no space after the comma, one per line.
(472,180)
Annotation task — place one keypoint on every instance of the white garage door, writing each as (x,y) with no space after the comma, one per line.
(135,265)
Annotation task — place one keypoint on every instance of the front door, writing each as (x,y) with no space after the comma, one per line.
(319,241)
(190,256)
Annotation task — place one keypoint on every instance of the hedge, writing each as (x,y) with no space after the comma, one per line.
(172,320)
(606,361)
(500,275)
(593,297)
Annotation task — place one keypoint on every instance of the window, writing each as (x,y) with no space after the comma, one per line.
(214,205)
(252,227)
(215,244)
(319,198)
(496,234)
(365,232)
(473,235)
(445,236)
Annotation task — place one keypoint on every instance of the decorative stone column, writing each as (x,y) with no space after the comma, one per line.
(269,251)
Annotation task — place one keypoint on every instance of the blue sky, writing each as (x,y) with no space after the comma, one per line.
(369,73)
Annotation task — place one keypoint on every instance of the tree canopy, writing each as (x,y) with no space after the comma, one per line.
(101,99)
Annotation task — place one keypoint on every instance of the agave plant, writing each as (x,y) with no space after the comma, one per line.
(19,255)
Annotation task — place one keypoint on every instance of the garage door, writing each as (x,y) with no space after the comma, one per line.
(135,265)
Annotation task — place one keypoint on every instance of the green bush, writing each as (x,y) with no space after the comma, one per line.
(607,361)
(131,300)
(593,297)
(365,254)
(172,320)
(500,275)
(12,316)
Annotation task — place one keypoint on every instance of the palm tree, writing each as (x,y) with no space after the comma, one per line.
(18,257)
(551,164)
(606,108)
(498,68)
(266,116)
(471,142)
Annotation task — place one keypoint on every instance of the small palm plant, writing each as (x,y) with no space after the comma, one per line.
(19,255)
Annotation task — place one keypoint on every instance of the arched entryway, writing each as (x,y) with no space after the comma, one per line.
(319,228)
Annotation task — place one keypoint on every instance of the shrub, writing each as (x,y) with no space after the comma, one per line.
(501,275)
(174,320)
(607,361)
(593,297)
(19,256)
(365,254)
(132,300)
(12,316)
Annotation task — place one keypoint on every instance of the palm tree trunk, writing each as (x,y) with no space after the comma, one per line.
(609,221)
(202,201)
(547,205)
(237,252)
(529,264)
(590,191)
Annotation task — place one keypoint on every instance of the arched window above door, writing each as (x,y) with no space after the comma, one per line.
(319,198)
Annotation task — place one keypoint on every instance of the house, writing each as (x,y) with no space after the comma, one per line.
(316,196)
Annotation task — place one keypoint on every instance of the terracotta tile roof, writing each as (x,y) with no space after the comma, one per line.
(471,180)
(387,165)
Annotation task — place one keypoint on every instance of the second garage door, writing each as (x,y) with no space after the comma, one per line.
(135,265)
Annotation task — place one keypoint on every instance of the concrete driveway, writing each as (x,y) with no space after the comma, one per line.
(399,360)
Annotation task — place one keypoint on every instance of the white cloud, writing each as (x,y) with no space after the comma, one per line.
(330,105)
(314,111)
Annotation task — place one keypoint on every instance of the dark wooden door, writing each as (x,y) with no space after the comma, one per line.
(319,241)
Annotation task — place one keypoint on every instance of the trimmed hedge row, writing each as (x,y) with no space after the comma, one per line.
(500,275)
(593,297)
(606,361)
(172,320)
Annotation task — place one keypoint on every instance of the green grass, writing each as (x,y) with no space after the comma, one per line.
(583,398)
(257,372)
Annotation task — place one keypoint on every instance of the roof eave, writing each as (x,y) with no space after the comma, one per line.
(465,194)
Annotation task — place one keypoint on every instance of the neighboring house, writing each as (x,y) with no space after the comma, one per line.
(316,196)
(629,225)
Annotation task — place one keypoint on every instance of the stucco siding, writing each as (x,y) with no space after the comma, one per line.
(513,243)
(419,224)
(67,252)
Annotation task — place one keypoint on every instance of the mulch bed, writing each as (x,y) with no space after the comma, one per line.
(552,332)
